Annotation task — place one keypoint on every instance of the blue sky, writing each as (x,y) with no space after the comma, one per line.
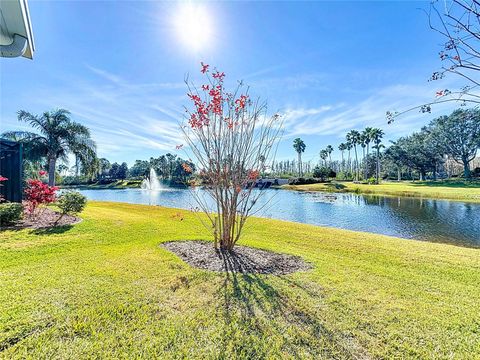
(327,66)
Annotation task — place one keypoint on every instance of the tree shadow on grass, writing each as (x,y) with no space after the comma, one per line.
(52,230)
(335,186)
(265,306)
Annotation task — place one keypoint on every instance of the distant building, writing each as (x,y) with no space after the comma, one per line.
(16,37)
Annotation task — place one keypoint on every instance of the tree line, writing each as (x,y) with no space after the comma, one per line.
(56,137)
(168,167)
(432,151)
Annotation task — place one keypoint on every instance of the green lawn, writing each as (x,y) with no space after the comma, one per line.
(105,289)
(451,190)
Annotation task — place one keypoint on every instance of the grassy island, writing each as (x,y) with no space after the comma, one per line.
(449,190)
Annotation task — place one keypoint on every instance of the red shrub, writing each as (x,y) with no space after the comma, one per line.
(37,193)
(2,178)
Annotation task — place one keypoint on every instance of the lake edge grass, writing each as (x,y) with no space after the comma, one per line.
(422,190)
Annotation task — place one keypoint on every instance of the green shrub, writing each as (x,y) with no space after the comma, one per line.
(74,180)
(10,213)
(302,181)
(71,202)
(323,173)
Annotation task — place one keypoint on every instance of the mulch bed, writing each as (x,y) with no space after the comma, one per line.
(247,260)
(45,220)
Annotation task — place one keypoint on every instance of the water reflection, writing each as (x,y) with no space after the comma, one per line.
(422,219)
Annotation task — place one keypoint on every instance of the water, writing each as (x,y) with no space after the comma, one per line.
(152,182)
(421,219)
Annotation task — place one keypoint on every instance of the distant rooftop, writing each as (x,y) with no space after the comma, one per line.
(16,37)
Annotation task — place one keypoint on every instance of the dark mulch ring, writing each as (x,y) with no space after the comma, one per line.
(44,220)
(242,259)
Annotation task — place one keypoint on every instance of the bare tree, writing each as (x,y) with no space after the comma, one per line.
(458,22)
(231,137)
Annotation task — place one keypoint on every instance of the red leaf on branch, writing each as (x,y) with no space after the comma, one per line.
(187,168)
(204,67)
(218,75)
(240,102)
(253,174)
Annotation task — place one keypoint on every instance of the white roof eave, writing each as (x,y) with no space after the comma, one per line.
(17,35)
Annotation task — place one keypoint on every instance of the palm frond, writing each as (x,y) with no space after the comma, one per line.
(19,136)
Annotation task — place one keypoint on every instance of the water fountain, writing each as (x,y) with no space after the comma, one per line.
(152,182)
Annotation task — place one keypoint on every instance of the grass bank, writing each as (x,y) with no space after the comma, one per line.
(449,190)
(105,289)
(119,184)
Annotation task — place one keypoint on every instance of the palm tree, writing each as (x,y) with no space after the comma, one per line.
(367,137)
(324,156)
(376,136)
(329,150)
(299,147)
(342,147)
(363,144)
(367,133)
(58,136)
(349,148)
(353,137)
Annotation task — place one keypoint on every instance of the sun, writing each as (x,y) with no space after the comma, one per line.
(193,26)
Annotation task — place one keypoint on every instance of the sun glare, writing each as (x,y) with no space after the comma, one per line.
(193,26)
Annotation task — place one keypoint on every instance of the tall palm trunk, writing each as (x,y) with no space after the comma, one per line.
(349,167)
(356,164)
(364,164)
(378,166)
(299,164)
(51,171)
(366,157)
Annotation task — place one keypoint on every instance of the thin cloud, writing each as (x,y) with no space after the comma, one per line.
(337,120)
(125,118)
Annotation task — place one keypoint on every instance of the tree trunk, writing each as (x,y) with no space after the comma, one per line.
(466,168)
(349,167)
(435,172)
(364,164)
(378,166)
(356,163)
(399,174)
(299,164)
(51,171)
(77,167)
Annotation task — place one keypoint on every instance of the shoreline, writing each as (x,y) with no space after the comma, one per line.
(397,189)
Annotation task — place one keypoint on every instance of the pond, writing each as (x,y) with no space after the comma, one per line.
(411,218)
